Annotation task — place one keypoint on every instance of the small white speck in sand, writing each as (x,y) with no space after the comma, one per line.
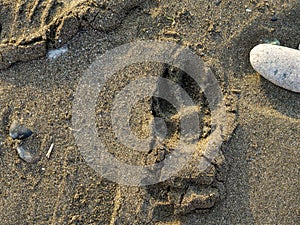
(55,53)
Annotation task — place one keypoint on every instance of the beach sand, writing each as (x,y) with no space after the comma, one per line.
(260,170)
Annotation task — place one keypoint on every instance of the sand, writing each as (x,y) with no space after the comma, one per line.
(256,180)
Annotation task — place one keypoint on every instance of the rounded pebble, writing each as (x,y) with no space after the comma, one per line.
(19,131)
(278,64)
(26,155)
(274,18)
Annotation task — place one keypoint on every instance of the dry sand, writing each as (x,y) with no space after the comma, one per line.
(261,184)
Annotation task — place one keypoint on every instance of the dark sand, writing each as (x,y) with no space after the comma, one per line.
(262,156)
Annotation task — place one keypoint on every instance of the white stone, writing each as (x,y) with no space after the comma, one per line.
(278,64)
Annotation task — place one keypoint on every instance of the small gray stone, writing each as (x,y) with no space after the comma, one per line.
(26,155)
(19,131)
(278,64)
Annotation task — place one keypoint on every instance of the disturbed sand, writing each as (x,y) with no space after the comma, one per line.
(256,180)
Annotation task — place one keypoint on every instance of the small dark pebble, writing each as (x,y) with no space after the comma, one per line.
(274,18)
(19,131)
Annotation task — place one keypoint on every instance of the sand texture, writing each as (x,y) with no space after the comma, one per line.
(253,180)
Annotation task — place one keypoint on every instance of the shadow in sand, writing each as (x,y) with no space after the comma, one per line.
(282,100)
(235,57)
(236,51)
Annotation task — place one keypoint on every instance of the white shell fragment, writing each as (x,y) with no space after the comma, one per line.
(278,64)
(50,151)
(53,54)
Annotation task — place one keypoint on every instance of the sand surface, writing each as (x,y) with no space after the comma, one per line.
(255,182)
